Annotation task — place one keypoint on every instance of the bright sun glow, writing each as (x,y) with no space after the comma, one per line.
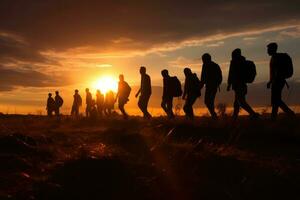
(105,84)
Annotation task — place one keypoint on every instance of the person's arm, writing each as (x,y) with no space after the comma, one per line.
(184,90)
(271,74)
(229,80)
(203,75)
(138,93)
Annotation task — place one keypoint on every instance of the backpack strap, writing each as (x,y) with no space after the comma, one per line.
(287,85)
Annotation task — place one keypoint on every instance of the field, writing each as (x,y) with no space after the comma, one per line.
(42,158)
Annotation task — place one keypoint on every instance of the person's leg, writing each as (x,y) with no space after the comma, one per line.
(209,99)
(275,100)
(147,98)
(122,109)
(236,105)
(281,103)
(188,107)
(242,101)
(170,107)
(164,105)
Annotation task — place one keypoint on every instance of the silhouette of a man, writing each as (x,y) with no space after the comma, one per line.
(50,105)
(58,103)
(238,84)
(144,92)
(88,101)
(109,102)
(191,92)
(167,97)
(211,77)
(77,102)
(100,102)
(277,82)
(123,94)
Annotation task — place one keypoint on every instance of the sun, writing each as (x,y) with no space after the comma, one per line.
(105,84)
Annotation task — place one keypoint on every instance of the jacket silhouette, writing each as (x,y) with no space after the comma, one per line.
(211,77)
(167,97)
(144,92)
(100,102)
(238,83)
(191,92)
(123,95)
(77,102)
(88,101)
(278,66)
(50,105)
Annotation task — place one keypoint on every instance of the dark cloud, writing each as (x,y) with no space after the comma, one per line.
(61,24)
(10,79)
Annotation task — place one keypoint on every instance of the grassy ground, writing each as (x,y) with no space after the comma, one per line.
(43,158)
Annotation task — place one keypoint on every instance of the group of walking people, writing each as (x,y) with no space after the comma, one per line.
(241,73)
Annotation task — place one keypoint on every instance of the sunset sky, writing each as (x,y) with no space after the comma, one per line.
(67,44)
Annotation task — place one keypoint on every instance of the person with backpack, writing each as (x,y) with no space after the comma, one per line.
(123,95)
(237,79)
(144,93)
(88,101)
(192,90)
(281,68)
(99,102)
(171,89)
(211,77)
(50,105)
(58,103)
(77,102)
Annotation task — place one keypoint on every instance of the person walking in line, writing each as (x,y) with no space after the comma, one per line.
(77,102)
(58,103)
(237,80)
(109,102)
(88,101)
(123,95)
(144,93)
(211,77)
(100,102)
(281,68)
(50,105)
(192,90)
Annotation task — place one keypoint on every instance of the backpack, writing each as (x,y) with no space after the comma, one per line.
(219,77)
(197,85)
(176,89)
(60,101)
(127,90)
(249,72)
(285,66)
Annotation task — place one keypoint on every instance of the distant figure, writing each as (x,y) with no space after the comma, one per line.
(50,105)
(100,102)
(211,77)
(171,89)
(192,90)
(123,95)
(145,91)
(109,102)
(281,68)
(236,80)
(77,102)
(93,110)
(88,101)
(58,103)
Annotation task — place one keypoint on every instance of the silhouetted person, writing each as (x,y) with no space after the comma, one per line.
(191,92)
(237,81)
(211,77)
(281,68)
(93,110)
(123,94)
(50,105)
(77,102)
(167,97)
(144,92)
(100,102)
(109,102)
(88,101)
(58,103)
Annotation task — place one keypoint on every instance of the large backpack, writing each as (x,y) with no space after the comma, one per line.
(127,90)
(175,85)
(285,66)
(60,101)
(249,71)
(219,77)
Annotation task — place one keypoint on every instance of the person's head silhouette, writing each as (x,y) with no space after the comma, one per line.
(165,73)
(143,70)
(49,95)
(76,91)
(87,90)
(237,53)
(206,58)
(187,71)
(121,77)
(98,92)
(57,92)
(272,48)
